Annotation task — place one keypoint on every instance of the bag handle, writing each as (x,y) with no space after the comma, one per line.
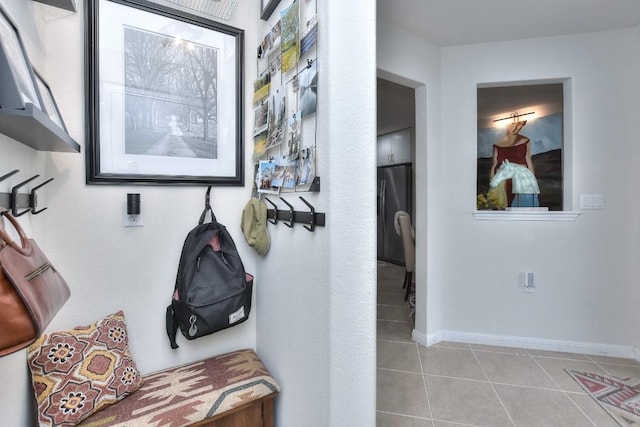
(24,247)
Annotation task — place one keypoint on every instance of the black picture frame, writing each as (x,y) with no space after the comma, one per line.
(267,7)
(164,96)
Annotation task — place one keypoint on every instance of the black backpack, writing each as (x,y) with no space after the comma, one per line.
(212,291)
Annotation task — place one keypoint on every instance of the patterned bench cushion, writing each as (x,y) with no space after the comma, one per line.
(186,394)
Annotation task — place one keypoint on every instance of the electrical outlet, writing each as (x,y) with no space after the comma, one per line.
(133,220)
(529,284)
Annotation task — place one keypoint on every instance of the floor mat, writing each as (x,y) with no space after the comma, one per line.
(620,397)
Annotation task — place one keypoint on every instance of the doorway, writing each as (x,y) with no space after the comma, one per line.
(395,148)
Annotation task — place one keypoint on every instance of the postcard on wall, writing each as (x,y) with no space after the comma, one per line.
(272,40)
(290,33)
(306,168)
(308,89)
(277,180)
(292,137)
(292,89)
(261,88)
(290,175)
(268,50)
(259,146)
(261,115)
(275,66)
(266,172)
(308,36)
(277,115)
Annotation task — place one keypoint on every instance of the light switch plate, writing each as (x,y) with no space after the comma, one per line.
(592,201)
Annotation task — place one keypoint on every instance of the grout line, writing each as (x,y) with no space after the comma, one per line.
(493,387)
(399,370)
(568,359)
(599,365)
(424,382)
(545,371)
(395,341)
(562,390)
(403,415)
(454,346)
(580,409)
(457,423)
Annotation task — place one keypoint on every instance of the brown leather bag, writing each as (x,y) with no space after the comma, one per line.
(31,290)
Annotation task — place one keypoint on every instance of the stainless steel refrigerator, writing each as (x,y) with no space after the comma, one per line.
(394,194)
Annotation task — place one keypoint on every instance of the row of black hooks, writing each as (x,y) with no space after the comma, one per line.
(290,216)
(22,203)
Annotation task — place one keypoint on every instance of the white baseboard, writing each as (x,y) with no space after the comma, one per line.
(630,352)
(426,340)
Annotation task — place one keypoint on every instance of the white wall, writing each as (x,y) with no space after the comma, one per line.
(109,267)
(314,312)
(585,269)
(317,334)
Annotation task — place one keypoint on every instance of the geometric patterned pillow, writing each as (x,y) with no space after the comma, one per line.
(76,373)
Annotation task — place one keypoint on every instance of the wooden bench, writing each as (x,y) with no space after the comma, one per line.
(230,390)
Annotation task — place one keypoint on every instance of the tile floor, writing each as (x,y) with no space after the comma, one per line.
(458,384)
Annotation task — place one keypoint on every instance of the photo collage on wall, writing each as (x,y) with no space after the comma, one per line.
(284,98)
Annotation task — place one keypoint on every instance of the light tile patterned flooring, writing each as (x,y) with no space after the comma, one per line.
(457,384)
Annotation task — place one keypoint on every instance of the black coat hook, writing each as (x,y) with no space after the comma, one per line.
(14,197)
(207,207)
(291,214)
(5,176)
(33,198)
(207,198)
(312,218)
(275,212)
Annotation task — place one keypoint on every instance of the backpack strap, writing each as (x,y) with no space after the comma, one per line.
(172,326)
(204,214)
(207,207)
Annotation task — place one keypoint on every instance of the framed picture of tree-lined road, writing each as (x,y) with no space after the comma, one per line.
(164,96)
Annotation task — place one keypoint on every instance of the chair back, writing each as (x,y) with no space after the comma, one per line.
(408,242)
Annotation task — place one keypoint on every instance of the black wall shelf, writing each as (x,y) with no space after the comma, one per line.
(71,5)
(28,110)
(34,128)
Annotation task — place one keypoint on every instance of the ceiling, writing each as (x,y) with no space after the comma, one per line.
(459,22)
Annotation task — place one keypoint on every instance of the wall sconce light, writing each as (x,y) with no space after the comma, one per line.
(513,116)
(133,217)
(133,204)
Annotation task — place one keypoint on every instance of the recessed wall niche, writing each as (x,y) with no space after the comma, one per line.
(520,146)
